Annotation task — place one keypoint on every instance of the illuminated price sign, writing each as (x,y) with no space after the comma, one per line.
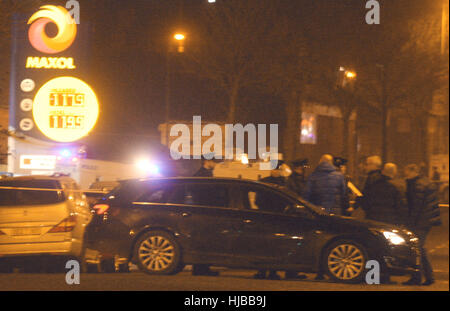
(65,109)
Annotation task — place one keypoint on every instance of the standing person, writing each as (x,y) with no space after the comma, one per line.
(372,168)
(297,183)
(276,175)
(423,207)
(206,170)
(341,165)
(276,178)
(326,187)
(385,199)
(297,180)
(436,176)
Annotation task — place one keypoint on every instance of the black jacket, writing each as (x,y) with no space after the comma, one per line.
(296,183)
(384,199)
(204,172)
(281,181)
(423,203)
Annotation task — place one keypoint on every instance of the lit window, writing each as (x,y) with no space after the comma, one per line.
(308,129)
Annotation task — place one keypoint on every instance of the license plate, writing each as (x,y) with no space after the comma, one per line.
(26,231)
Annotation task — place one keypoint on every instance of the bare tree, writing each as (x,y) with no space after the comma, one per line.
(401,67)
(227,43)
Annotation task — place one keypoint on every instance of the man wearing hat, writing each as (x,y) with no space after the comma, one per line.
(276,175)
(208,165)
(296,181)
(206,170)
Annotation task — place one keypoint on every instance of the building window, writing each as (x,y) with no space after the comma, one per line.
(308,133)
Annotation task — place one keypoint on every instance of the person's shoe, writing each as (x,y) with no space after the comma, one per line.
(388,282)
(260,275)
(295,276)
(412,281)
(273,276)
(204,271)
(319,277)
(428,282)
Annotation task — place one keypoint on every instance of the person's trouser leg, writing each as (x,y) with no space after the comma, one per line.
(425,265)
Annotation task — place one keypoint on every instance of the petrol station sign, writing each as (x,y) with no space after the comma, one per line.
(65,109)
(52,103)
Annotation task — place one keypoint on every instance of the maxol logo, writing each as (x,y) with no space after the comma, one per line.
(67,29)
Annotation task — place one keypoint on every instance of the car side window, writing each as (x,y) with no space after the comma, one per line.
(258,198)
(201,194)
(156,194)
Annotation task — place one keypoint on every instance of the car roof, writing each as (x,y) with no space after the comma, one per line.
(39,177)
(204,179)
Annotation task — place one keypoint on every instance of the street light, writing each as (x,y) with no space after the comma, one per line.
(179,37)
(350,74)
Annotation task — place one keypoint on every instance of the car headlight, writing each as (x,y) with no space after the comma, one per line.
(393,238)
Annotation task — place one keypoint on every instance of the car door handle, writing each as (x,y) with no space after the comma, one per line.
(185,214)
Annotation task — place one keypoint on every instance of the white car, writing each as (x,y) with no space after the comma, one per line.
(41,215)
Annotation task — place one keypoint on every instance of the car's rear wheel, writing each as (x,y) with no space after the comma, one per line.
(345,261)
(157,252)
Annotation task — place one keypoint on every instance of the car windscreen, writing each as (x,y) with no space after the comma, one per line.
(127,191)
(314,208)
(30,192)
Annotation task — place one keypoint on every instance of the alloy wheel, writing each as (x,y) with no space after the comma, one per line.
(346,261)
(156,253)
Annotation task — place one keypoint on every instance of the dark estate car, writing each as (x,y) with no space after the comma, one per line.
(163,224)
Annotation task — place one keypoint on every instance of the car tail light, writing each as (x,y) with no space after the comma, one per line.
(66,225)
(101,208)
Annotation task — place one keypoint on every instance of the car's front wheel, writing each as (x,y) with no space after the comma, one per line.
(157,252)
(345,261)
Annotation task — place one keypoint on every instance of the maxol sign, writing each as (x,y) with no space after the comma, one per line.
(51,99)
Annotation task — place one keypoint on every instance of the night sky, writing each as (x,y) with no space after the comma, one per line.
(129,40)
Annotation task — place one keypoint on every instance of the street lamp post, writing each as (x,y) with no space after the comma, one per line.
(179,38)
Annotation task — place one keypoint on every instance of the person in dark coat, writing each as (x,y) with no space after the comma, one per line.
(275,178)
(423,213)
(206,170)
(341,165)
(385,199)
(326,187)
(372,168)
(296,181)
